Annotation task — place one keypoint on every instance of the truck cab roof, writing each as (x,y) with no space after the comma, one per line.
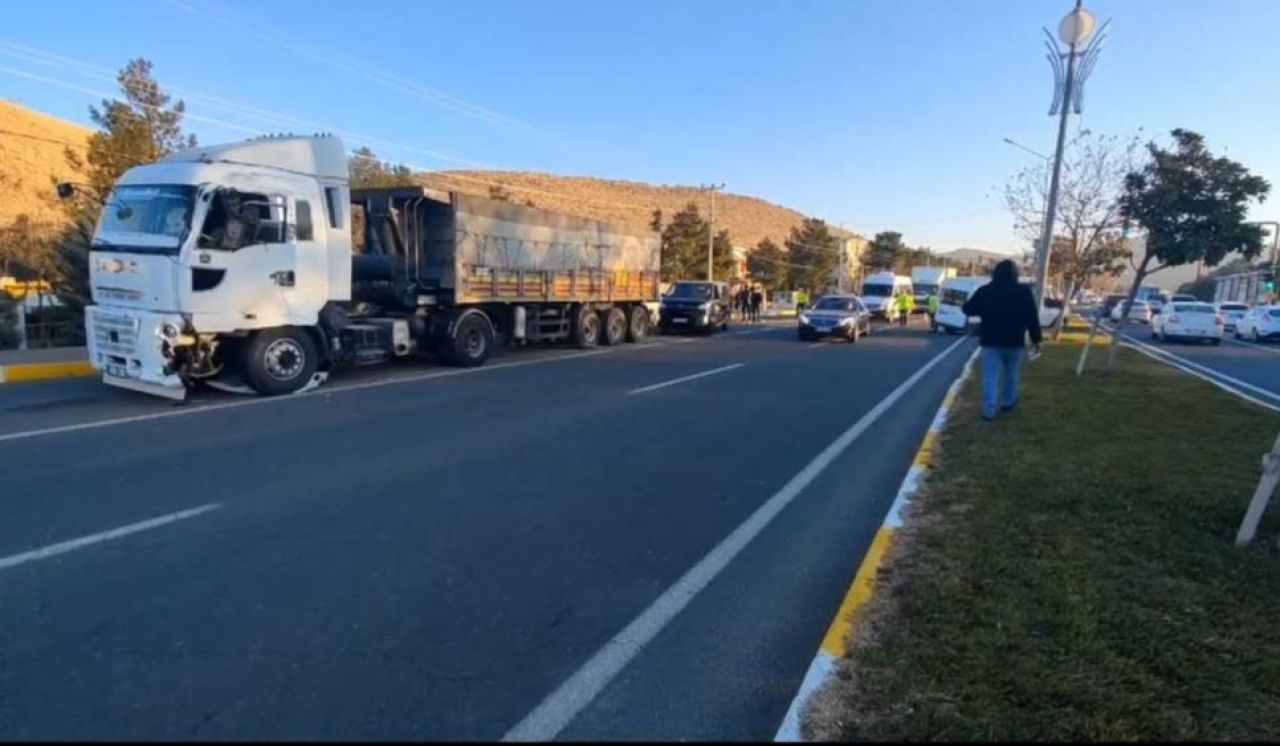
(321,156)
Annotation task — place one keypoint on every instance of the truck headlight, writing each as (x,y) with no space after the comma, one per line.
(169,330)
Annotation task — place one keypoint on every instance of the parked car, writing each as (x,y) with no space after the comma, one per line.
(1188,321)
(1139,311)
(836,315)
(1231,313)
(695,305)
(1262,323)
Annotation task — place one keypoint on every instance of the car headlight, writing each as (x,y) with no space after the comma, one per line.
(847,320)
(804,318)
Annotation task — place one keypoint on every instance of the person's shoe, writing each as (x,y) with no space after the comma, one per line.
(1008,408)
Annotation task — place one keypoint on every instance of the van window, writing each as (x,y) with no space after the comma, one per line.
(954,297)
(305,230)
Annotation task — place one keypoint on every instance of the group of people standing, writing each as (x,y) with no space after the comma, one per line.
(905,303)
(748,301)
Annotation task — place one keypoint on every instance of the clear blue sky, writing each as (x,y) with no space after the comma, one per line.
(871,113)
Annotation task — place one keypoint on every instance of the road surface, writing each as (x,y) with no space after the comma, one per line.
(424,552)
(1248,367)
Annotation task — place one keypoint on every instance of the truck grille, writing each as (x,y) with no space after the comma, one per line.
(115,334)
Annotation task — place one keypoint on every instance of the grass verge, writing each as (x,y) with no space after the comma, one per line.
(1068,574)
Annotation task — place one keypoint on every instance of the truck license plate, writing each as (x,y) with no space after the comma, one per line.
(679,321)
(117,370)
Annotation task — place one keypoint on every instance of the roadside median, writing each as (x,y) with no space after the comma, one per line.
(44,364)
(1068,573)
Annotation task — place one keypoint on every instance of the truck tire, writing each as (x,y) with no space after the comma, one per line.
(638,324)
(586,328)
(614,326)
(471,343)
(279,361)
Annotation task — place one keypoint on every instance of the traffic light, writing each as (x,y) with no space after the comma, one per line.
(1269,279)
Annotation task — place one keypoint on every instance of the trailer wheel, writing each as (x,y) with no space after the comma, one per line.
(586,328)
(471,343)
(280,361)
(638,326)
(615,326)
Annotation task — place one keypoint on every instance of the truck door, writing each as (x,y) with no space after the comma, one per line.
(242,262)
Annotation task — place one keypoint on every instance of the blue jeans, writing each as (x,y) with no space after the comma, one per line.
(995,361)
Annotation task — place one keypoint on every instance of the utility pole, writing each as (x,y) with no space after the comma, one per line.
(711,234)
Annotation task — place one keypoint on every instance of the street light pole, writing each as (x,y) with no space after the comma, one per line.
(1074,30)
(711,233)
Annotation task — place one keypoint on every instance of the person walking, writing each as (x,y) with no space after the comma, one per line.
(934,302)
(757,300)
(905,304)
(1008,312)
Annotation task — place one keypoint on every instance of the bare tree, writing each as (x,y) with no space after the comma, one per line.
(1089,239)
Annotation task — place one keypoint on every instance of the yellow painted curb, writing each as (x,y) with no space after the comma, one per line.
(836,643)
(44,371)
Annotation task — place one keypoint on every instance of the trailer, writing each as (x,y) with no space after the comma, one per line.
(234,265)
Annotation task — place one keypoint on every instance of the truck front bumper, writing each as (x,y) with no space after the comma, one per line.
(130,349)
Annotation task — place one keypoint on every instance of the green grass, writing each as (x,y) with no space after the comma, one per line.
(1070,574)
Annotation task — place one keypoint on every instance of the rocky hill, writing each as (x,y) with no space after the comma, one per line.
(32,144)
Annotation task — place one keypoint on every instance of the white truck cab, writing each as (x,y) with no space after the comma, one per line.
(208,245)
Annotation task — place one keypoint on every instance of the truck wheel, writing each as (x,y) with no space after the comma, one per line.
(614,327)
(280,361)
(638,325)
(586,328)
(472,342)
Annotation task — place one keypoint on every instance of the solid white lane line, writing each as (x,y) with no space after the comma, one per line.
(322,391)
(562,705)
(69,546)
(682,379)
(1206,370)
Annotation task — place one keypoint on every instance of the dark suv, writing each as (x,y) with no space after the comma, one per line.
(696,305)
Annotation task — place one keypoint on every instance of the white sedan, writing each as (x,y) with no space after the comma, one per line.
(1189,321)
(1262,323)
(1140,311)
(1232,312)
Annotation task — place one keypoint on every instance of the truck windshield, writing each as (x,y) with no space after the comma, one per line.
(877,291)
(926,289)
(150,219)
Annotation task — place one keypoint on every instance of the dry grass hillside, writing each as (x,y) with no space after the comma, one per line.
(748,219)
(31,147)
(32,143)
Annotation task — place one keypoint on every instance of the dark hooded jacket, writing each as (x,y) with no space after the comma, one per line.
(1007,308)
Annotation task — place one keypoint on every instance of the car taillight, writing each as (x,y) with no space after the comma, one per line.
(1174,320)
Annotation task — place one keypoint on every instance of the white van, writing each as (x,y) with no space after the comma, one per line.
(955,291)
(878,291)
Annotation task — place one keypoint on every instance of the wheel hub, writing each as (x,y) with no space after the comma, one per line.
(284,359)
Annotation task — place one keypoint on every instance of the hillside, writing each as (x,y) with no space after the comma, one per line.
(749,219)
(31,147)
(32,144)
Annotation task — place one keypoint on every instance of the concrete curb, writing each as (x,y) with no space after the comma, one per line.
(835,643)
(45,371)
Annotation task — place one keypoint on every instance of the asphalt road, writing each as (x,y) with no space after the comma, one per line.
(422,552)
(1251,368)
